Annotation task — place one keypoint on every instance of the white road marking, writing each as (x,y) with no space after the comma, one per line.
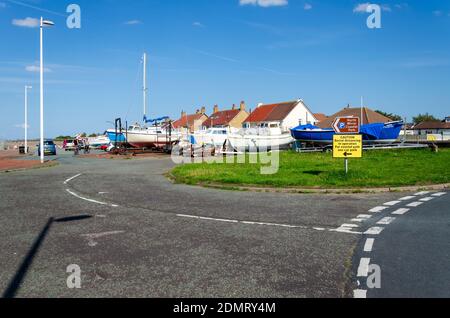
(378,209)
(90,200)
(362,218)
(319,228)
(439,194)
(360,293)
(363,268)
(410,197)
(242,222)
(392,203)
(386,221)
(426,199)
(345,230)
(422,193)
(349,225)
(401,211)
(374,230)
(369,245)
(92,237)
(70,179)
(414,204)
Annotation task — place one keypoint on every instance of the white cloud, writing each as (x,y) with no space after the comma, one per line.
(264,3)
(438,13)
(362,7)
(35,69)
(27,22)
(198,24)
(307,6)
(2,5)
(22,126)
(133,22)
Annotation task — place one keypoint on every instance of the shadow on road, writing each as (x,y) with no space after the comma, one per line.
(18,278)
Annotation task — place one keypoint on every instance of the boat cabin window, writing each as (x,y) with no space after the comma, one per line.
(274,125)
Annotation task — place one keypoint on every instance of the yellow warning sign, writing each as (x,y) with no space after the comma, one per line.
(347,146)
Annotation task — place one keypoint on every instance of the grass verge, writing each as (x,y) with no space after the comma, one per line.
(384,168)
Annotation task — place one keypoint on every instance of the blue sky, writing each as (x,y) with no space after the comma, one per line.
(206,52)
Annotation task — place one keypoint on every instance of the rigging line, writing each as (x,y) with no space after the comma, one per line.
(36,8)
(132,90)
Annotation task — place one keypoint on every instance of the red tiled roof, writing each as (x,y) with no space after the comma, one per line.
(221,118)
(187,120)
(320,117)
(432,125)
(369,117)
(273,112)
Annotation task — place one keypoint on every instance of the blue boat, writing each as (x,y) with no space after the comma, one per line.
(116,137)
(372,133)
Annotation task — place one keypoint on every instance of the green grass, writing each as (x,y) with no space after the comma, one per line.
(389,168)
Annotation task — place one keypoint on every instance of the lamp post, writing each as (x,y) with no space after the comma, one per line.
(42,25)
(26,118)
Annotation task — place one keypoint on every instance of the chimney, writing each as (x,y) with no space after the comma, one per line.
(203,111)
(234,107)
(183,114)
(259,105)
(216,109)
(243,107)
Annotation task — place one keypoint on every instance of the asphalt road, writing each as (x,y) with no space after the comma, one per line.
(135,234)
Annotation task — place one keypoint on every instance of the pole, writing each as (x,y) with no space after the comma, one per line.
(346,166)
(145,84)
(362,110)
(42,91)
(26,119)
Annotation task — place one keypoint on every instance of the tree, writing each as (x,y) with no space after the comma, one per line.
(93,135)
(393,117)
(424,117)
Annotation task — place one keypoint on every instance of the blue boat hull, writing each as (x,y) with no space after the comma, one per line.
(113,137)
(372,133)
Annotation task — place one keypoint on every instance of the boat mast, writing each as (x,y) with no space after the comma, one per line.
(145,84)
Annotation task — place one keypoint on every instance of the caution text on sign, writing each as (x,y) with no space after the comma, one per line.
(347,146)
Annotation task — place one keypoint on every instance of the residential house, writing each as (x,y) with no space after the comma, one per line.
(191,122)
(320,117)
(366,115)
(232,118)
(285,115)
(433,128)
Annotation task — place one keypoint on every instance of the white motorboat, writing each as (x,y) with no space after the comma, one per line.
(213,136)
(260,139)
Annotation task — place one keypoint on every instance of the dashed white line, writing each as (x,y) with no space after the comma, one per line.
(349,225)
(439,194)
(427,199)
(90,200)
(422,193)
(386,221)
(360,293)
(414,204)
(70,179)
(392,203)
(242,222)
(378,209)
(401,211)
(374,230)
(363,268)
(410,197)
(369,245)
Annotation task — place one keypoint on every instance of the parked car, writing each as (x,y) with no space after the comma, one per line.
(69,145)
(49,148)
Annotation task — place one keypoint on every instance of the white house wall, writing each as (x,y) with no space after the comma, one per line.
(300,112)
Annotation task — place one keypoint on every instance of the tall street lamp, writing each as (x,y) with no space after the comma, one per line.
(26,117)
(43,24)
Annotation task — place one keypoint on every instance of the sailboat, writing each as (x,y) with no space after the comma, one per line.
(157,135)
